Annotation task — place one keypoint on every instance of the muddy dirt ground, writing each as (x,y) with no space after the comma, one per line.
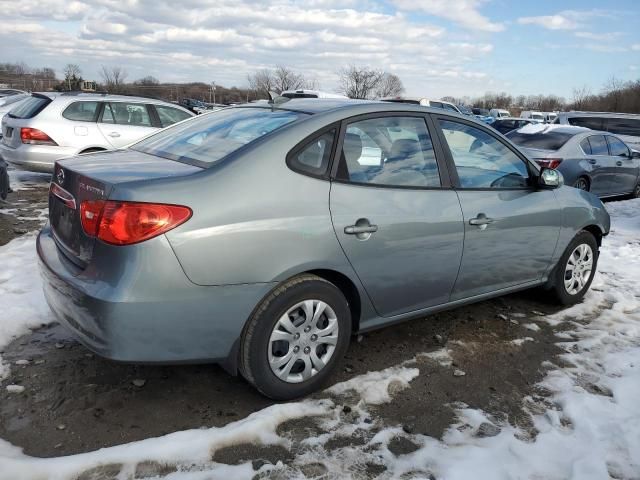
(76,402)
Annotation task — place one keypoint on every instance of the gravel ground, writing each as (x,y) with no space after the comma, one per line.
(76,402)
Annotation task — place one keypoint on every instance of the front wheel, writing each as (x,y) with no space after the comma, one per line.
(296,338)
(581,184)
(576,268)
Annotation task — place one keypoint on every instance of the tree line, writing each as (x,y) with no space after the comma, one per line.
(360,82)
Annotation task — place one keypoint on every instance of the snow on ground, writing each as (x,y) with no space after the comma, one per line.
(588,429)
(21,298)
(23,180)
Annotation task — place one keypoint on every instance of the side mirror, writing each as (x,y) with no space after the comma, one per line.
(635,154)
(550,178)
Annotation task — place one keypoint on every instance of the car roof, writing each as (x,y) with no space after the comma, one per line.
(534,128)
(73,96)
(578,113)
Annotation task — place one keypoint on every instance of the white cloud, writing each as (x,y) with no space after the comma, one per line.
(463,12)
(607,36)
(565,20)
(635,46)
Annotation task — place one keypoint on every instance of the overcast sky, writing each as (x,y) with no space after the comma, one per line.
(437,47)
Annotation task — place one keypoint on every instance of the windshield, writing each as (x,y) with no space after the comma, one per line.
(207,139)
(550,140)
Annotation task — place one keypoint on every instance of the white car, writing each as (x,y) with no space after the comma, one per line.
(48,126)
(424,102)
(624,125)
(535,116)
(499,113)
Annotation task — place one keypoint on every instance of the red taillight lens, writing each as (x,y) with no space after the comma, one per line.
(63,195)
(34,136)
(90,211)
(549,162)
(125,223)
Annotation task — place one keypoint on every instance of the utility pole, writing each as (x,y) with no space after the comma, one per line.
(213,90)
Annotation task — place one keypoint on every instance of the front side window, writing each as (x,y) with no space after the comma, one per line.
(207,139)
(169,116)
(481,160)
(598,145)
(313,158)
(617,148)
(81,111)
(121,113)
(624,126)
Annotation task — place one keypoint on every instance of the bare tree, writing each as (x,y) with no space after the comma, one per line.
(580,97)
(113,78)
(261,82)
(390,86)
(286,79)
(72,74)
(359,82)
(148,81)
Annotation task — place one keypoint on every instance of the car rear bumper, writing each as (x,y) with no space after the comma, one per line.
(35,158)
(128,318)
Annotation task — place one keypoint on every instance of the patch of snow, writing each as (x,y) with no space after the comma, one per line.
(520,341)
(441,356)
(15,388)
(23,180)
(21,297)
(376,388)
(532,326)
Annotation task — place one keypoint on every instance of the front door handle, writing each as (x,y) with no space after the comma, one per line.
(592,161)
(619,163)
(359,229)
(481,221)
(114,134)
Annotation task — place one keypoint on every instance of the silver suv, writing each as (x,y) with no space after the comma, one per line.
(49,126)
(624,125)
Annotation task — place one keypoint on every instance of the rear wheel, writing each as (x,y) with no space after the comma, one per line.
(296,338)
(582,183)
(574,273)
(636,192)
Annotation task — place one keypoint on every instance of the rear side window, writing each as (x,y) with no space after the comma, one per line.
(313,158)
(209,138)
(169,116)
(598,145)
(624,126)
(81,111)
(436,104)
(392,151)
(121,113)
(30,107)
(616,147)
(548,140)
(586,146)
(594,123)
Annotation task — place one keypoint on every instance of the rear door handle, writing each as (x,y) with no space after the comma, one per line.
(114,134)
(481,221)
(619,163)
(360,229)
(593,161)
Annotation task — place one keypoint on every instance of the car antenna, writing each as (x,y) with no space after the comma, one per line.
(276,99)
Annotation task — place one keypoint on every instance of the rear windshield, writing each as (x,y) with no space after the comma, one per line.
(30,107)
(207,139)
(549,140)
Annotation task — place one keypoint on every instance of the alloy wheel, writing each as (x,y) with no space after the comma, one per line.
(303,341)
(578,269)
(581,184)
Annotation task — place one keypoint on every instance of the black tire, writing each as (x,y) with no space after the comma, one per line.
(557,279)
(254,347)
(582,183)
(636,192)
(4,181)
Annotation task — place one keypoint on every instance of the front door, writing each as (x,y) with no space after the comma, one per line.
(123,123)
(400,228)
(511,228)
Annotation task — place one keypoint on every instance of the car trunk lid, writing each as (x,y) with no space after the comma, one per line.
(93,177)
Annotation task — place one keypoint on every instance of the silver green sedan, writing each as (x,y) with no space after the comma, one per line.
(262,237)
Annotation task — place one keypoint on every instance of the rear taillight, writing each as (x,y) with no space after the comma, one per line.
(33,136)
(549,162)
(125,223)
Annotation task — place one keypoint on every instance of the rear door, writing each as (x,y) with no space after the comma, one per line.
(394,213)
(625,176)
(603,167)
(511,227)
(123,123)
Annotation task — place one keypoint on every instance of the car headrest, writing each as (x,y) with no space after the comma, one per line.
(402,149)
(352,148)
